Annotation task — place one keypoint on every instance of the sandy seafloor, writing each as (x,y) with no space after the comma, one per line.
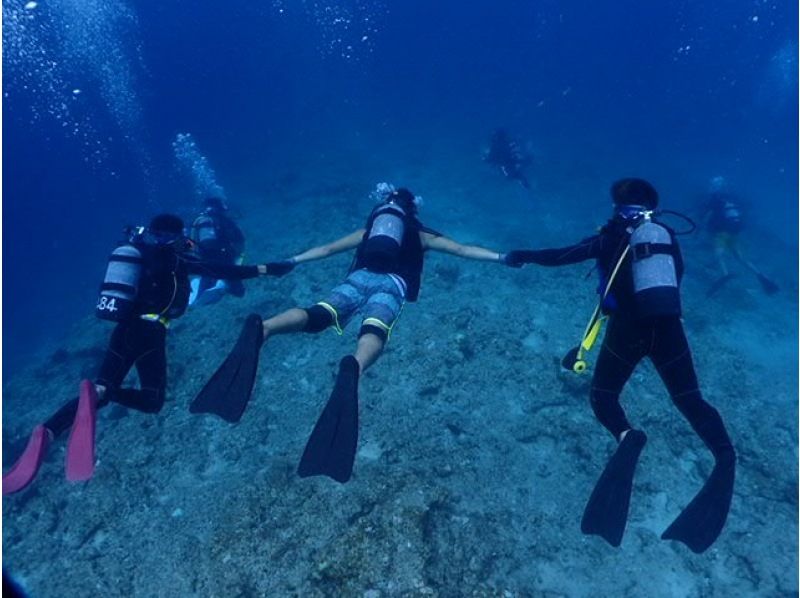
(477,453)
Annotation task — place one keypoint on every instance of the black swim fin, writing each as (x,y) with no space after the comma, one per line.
(331,448)
(701,522)
(606,513)
(770,288)
(718,284)
(228,391)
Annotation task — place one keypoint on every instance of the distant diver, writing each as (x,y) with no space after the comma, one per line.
(722,216)
(508,156)
(146,286)
(219,240)
(641,268)
(385,273)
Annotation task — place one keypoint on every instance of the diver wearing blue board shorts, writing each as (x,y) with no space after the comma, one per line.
(385,273)
(641,267)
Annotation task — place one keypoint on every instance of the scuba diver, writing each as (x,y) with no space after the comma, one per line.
(219,241)
(641,269)
(385,273)
(146,286)
(723,218)
(507,154)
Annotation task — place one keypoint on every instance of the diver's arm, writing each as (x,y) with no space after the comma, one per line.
(585,250)
(445,245)
(317,253)
(224,271)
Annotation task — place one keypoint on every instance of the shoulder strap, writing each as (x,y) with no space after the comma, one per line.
(614,272)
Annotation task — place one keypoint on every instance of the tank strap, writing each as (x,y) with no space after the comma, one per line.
(155,318)
(129,259)
(644,250)
(114,286)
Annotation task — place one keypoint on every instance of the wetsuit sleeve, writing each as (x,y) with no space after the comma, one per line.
(585,250)
(221,271)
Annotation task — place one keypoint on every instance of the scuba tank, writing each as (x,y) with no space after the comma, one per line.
(732,212)
(384,238)
(205,230)
(655,278)
(120,284)
(732,217)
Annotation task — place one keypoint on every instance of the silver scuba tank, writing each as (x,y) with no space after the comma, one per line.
(388,223)
(655,277)
(385,238)
(120,284)
(731,212)
(206,230)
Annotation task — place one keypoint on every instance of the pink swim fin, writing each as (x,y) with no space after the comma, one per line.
(80,446)
(27,466)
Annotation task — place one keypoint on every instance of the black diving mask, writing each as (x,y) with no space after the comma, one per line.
(632,212)
(147,236)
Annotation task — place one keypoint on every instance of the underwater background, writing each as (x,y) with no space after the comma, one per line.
(477,452)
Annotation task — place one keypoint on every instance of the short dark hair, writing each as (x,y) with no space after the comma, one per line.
(405,199)
(632,191)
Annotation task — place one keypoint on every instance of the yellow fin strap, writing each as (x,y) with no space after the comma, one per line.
(335,315)
(591,337)
(387,328)
(155,318)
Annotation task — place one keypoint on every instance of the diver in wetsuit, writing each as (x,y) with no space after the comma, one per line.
(723,218)
(643,303)
(146,286)
(219,240)
(506,154)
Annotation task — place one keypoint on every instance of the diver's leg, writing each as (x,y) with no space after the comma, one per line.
(619,354)
(606,512)
(701,521)
(673,360)
(117,362)
(370,346)
(768,285)
(384,304)
(152,369)
(336,310)
(719,252)
(292,320)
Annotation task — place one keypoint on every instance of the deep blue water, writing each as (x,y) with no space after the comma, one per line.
(679,91)
(318,100)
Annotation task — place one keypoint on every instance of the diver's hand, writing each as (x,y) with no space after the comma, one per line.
(505,259)
(278,268)
(517,258)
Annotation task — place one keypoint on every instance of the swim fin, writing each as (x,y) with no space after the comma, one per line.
(718,284)
(701,522)
(606,513)
(79,464)
(228,391)
(23,472)
(331,448)
(770,288)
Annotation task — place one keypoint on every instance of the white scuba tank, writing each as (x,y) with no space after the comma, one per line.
(385,237)
(120,284)
(205,230)
(655,277)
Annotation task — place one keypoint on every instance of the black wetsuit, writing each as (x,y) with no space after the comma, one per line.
(224,246)
(141,339)
(629,338)
(507,155)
